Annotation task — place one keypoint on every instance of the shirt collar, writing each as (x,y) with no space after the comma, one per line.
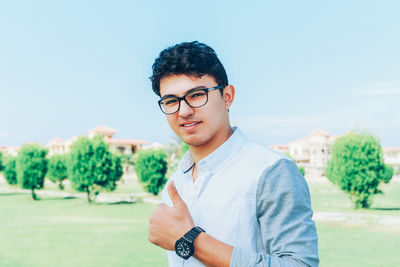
(212,161)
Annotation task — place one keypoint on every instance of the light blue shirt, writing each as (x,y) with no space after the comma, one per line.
(252,198)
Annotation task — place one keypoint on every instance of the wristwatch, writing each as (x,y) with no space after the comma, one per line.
(184,247)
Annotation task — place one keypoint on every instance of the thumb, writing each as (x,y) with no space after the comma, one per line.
(174,195)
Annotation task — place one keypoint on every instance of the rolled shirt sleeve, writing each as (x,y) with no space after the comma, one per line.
(288,234)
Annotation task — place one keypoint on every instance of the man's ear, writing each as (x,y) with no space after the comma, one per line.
(228,96)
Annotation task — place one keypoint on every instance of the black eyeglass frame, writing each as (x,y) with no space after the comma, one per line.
(206,90)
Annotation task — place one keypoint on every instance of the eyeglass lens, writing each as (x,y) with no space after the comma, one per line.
(194,99)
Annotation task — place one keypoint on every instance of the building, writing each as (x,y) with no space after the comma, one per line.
(124,146)
(60,146)
(9,150)
(281,148)
(391,155)
(314,151)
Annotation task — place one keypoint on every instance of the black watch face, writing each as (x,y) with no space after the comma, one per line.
(184,249)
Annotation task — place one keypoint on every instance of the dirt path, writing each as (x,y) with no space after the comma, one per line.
(356,218)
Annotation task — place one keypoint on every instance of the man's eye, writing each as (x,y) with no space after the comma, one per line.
(169,102)
(197,94)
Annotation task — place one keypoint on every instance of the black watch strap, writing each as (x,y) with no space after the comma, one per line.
(193,233)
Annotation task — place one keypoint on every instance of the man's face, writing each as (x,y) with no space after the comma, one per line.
(197,126)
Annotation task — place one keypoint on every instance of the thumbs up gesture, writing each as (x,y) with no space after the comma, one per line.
(168,224)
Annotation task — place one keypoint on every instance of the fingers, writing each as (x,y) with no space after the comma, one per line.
(174,195)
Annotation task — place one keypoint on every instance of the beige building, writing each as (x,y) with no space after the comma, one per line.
(9,150)
(391,155)
(124,146)
(60,146)
(314,151)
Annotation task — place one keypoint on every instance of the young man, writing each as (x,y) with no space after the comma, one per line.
(231,202)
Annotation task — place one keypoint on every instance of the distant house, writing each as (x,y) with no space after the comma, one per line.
(9,150)
(60,146)
(391,155)
(281,148)
(124,146)
(314,151)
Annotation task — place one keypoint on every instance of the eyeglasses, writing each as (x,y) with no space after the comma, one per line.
(194,98)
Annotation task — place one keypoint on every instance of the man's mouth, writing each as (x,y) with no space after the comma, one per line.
(190,124)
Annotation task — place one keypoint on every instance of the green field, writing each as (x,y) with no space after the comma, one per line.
(69,232)
(365,243)
(327,197)
(57,231)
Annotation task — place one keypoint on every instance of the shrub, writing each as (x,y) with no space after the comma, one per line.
(1,162)
(175,150)
(151,167)
(31,167)
(57,169)
(302,170)
(117,171)
(357,167)
(183,149)
(93,167)
(9,171)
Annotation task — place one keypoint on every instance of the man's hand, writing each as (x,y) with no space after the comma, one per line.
(168,224)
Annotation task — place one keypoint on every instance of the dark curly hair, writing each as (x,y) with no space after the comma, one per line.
(190,58)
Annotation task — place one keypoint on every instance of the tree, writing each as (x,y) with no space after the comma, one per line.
(357,167)
(388,172)
(93,167)
(302,170)
(183,149)
(151,167)
(31,167)
(1,162)
(9,171)
(57,169)
(174,150)
(117,172)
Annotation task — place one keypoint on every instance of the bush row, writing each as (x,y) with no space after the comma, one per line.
(90,167)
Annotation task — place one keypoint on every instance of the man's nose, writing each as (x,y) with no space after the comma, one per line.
(185,110)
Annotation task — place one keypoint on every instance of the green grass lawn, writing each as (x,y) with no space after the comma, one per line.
(55,231)
(124,187)
(70,232)
(328,197)
(367,244)
(358,246)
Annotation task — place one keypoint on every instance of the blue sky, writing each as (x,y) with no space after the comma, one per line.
(69,66)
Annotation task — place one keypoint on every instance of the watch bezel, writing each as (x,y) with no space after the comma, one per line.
(188,243)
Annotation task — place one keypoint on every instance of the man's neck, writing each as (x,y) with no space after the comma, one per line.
(200,152)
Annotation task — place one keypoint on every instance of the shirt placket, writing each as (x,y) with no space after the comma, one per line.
(193,190)
(193,193)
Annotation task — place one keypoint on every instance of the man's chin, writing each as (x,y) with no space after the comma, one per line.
(193,141)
